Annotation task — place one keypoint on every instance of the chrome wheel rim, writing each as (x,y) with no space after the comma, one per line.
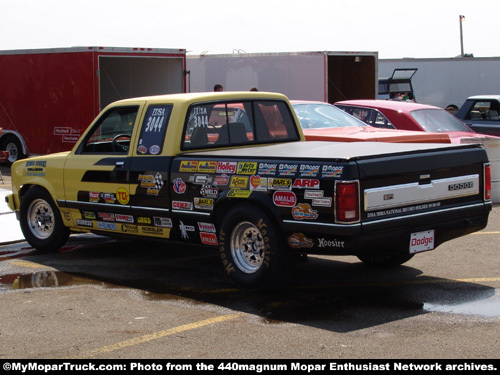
(40,219)
(247,247)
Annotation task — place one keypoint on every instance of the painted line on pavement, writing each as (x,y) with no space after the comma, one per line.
(157,335)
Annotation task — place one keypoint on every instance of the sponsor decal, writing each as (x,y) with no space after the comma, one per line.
(93,196)
(238,193)
(206,227)
(323,202)
(422,241)
(164,222)
(152,231)
(204,203)
(144,220)
(239,182)
(124,218)
(84,223)
(35,167)
(209,191)
(188,166)
(185,229)
(207,166)
(284,198)
(287,169)
(267,169)
(307,170)
(303,211)
(122,196)
(258,183)
(226,167)
(208,239)
(142,149)
(200,179)
(222,180)
(181,205)
(107,226)
(306,183)
(179,186)
(403,210)
(154,150)
(106,216)
(332,170)
(274,183)
(246,167)
(153,184)
(298,240)
(89,215)
(129,228)
(108,197)
(323,242)
(312,194)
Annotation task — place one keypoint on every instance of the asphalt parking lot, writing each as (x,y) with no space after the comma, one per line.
(101,298)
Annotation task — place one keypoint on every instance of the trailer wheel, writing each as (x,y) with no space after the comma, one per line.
(385,260)
(41,221)
(251,249)
(13,145)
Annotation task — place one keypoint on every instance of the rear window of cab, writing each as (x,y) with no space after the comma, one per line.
(222,124)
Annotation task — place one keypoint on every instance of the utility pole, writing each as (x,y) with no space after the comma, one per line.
(461,18)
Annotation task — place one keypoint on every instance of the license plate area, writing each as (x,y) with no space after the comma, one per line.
(421,241)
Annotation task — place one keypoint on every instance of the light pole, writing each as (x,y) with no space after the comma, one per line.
(461,18)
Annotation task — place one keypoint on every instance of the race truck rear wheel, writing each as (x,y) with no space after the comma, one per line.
(13,145)
(385,260)
(41,221)
(252,250)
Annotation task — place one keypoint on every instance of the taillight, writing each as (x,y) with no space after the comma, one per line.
(346,201)
(487,182)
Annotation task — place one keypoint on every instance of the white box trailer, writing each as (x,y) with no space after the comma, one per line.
(324,76)
(447,81)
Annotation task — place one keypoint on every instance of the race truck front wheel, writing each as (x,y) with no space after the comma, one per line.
(251,249)
(41,221)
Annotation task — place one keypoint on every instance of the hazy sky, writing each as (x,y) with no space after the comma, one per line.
(395,29)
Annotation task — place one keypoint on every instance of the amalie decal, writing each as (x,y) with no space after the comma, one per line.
(284,198)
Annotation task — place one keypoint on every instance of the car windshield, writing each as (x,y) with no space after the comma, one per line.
(438,120)
(318,115)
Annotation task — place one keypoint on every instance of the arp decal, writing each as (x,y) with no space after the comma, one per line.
(284,198)
(299,240)
(303,211)
(306,183)
(179,186)
(246,168)
(122,196)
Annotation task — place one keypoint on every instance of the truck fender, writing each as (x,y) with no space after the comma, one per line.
(13,133)
(227,199)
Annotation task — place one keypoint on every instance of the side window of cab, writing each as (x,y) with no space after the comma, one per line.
(111,133)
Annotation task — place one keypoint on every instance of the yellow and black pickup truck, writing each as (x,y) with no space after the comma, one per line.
(233,172)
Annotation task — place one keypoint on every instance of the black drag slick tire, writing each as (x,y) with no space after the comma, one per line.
(41,221)
(252,250)
(385,260)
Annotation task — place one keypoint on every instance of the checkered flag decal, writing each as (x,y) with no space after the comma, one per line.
(158,180)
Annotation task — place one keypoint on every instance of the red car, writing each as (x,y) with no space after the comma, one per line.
(409,116)
(322,121)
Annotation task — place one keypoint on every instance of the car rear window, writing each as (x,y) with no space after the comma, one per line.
(438,120)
